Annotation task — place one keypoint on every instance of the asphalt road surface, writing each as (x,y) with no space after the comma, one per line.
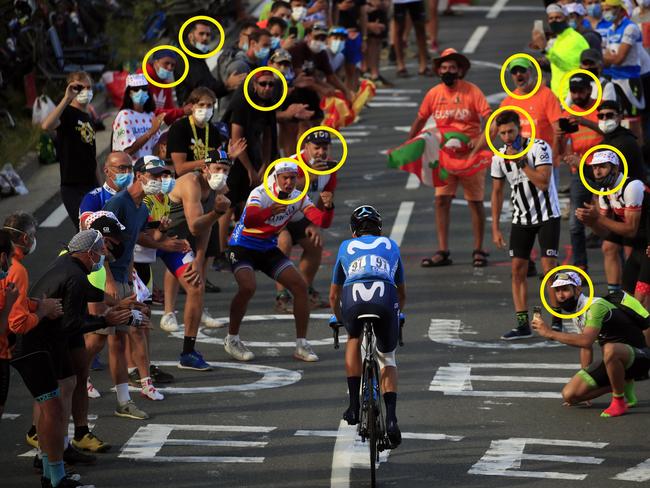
(474,411)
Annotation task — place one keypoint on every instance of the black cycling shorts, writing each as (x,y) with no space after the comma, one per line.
(4,380)
(596,373)
(522,239)
(271,262)
(414,9)
(38,373)
(297,230)
(376,297)
(636,268)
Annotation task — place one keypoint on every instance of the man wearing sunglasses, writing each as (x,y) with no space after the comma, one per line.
(617,323)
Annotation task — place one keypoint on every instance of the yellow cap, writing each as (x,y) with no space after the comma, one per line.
(614,3)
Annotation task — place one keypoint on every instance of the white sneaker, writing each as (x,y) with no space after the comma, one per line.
(168,322)
(210,322)
(92,391)
(151,393)
(237,349)
(305,353)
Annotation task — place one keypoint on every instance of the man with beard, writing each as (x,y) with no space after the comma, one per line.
(617,323)
(620,219)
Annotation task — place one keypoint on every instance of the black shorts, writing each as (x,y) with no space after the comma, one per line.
(379,298)
(596,373)
(522,239)
(297,230)
(414,9)
(271,262)
(213,248)
(76,342)
(4,381)
(38,373)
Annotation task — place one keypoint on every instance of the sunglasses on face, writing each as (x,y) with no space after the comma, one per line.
(266,84)
(606,115)
(518,71)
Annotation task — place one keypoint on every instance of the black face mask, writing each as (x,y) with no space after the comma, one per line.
(117,250)
(558,27)
(594,71)
(608,181)
(569,305)
(449,78)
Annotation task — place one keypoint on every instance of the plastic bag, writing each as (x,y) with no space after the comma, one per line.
(42,107)
(9,173)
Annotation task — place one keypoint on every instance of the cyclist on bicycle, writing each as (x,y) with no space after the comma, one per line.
(368,278)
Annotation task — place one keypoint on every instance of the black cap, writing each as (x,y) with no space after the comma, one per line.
(610,104)
(579,81)
(218,156)
(591,55)
(319,137)
(150,164)
(109,228)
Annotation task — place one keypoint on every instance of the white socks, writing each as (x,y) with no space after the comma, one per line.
(122,391)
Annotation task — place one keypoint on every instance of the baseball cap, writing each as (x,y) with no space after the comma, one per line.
(614,3)
(150,164)
(610,104)
(286,167)
(520,63)
(319,137)
(280,55)
(108,226)
(576,8)
(86,240)
(218,156)
(554,8)
(603,157)
(592,55)
(566,278)
(319,28)
(579,81)
(137,79)
(338,31)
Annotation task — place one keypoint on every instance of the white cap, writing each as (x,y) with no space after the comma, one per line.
(554,8)
(137,79)
(576,8)
(603,157)
(286,167)
(566,278)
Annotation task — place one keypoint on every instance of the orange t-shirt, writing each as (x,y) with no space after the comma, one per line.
(545,110)
(456,110)
(4,341)
(585,137)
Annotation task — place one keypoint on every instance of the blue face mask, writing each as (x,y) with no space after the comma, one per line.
(289,76)
(123,180)
(245,47)
(517,144)
(573,24)
(140,97)
(595,10)
(263,53)
(99,264)
(168,185)
(275,42)
(204,48)
(164,74)
(609,16)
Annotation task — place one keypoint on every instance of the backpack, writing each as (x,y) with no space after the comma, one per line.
(631,307)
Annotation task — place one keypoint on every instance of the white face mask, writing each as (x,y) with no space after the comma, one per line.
(84,97)
(152,187)
(202,115)
(217,181)
(33,247)
(298,13)
(316,46)
(337,45)
(607,126)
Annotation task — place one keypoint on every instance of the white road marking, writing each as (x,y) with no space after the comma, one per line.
(504,458)
(405,435)
(447,331)
(10,416)
(56,218)
(145,444)
(338,142)
(496,98)
(403,128)
(388,91)
(638,473)
(496,9)
(358,133)
(475,39)
(486,8)
(383,152)
(392,104)
(401,222)
(91,418)
(413,182)
(272,377)
(456,379)
(387,98)
(341,459)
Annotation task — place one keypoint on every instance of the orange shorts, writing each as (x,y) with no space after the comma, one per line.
(473,186)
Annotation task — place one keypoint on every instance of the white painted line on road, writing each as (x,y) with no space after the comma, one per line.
(516,379)
(337,141)
(10,416)
(496,98)
(413,182)
(383,152)
(638,473)
(485,64)
(496,9)
(388,98)
(56,218)
(475,39)
(342,459)
(203,442)
(405,435)
(392,104)
(505,456)
(382,91)
(401,222)
(403,128)
(358,133)
(486,8)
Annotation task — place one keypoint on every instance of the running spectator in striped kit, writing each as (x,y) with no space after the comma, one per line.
(536,213)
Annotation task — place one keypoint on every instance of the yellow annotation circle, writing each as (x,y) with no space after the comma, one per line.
(285,88)
(599,87)
(208,19)
(305,170)
(332,131)
(531,140)
(504,67)
(581,169)
(173,83)
(570,268)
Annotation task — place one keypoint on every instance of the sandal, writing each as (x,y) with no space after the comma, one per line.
(402,73)
(430,263)
(427,72)
(479,258)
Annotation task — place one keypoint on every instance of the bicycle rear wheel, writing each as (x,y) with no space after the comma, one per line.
(373,421)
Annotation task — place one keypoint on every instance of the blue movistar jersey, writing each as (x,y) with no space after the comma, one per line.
(95,200)
(368,258)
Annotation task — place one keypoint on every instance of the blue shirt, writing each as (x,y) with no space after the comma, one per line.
(368,258)
(134,218)
(627,32)
(95,199)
